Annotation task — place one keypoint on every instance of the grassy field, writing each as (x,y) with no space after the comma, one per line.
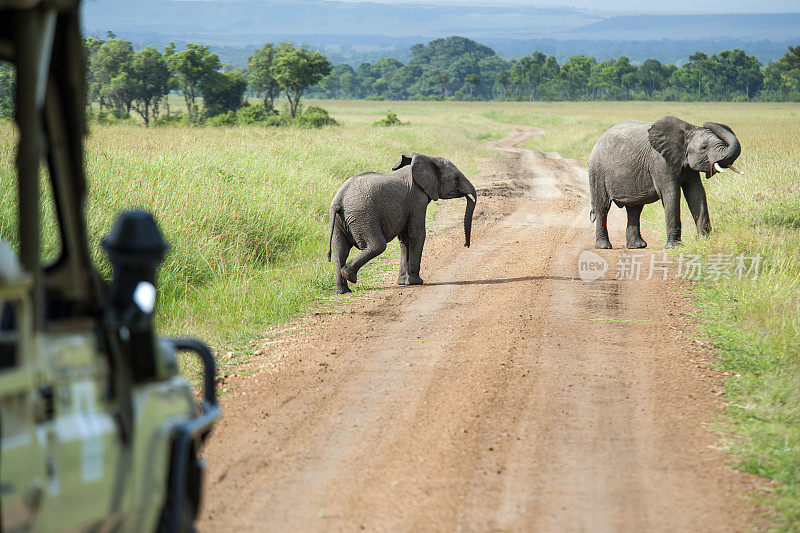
(245,209)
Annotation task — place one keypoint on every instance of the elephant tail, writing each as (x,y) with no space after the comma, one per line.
(334,212)
(592,216)
(330,238)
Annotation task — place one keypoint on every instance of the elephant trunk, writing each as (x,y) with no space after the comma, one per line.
(727,157)
(472,196)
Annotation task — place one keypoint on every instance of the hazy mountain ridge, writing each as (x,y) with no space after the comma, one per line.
(356,32)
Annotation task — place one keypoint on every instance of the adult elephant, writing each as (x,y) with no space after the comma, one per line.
(636,163)
(371,209)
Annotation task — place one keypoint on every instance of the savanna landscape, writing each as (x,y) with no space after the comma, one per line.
(507,393)
(245,210)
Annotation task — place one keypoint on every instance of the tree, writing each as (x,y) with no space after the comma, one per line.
(530,72)
(110,69)
(473,80)
(736,71)
(90,47)
(575,73)
(441,80)
(192,67)
(783,76)
(698,62)
(625,76)
(261,76)
(653,76)
(297,69)
(223,92)
(150,82)
(602,78)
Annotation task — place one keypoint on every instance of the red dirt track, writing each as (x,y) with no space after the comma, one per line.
(504,394)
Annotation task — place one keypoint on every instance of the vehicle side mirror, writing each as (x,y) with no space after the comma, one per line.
(135,248)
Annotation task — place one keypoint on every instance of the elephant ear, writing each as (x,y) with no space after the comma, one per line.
(403,162)
(425,173)
(668,136)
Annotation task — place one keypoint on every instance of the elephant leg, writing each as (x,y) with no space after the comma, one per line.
(375,246)
(415,259)
(402,276)
(601,228)
(601,203)
(416,241)
(695,196)
(671,199)
(633,236)
(341,249)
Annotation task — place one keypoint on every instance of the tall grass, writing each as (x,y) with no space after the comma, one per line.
(244,208)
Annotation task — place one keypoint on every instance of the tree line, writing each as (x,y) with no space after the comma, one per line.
(459,68)
(121,80)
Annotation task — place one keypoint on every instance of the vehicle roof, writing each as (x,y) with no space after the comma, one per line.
(7,20)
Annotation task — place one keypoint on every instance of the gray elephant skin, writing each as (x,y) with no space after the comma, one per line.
(371,209)
(636,163)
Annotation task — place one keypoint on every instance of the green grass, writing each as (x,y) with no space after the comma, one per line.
(245,208)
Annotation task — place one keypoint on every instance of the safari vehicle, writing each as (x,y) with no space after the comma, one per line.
(99,431)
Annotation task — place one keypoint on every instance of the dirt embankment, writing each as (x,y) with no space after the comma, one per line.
(504,394)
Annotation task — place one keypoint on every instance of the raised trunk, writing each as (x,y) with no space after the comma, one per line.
(727,158)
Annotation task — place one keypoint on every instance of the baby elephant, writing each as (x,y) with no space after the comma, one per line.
(371,209)
(636,163)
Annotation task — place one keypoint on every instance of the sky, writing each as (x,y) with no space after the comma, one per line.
(635,6)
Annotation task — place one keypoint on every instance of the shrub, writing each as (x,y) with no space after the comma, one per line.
(223,92)
(252,114)
(115,116)
(390,120)
(228,118)
(175,118)
(284,119)
(314,117)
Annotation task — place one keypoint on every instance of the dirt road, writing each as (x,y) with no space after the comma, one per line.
(504,394)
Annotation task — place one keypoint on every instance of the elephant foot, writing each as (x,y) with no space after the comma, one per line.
(603,244)
(343,289)
(414,280)
(351,277)
(402,279)
(673,244)
(635,244)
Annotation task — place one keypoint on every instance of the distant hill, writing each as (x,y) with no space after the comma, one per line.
(780,26)
(353,32)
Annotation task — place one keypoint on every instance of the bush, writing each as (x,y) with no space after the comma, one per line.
(228,118)
(390,120)
(115,116)
(223,92)
(175,118)
(314,117)
(252,114)
(278,120)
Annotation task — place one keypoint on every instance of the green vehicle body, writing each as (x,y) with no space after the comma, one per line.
(98,431)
